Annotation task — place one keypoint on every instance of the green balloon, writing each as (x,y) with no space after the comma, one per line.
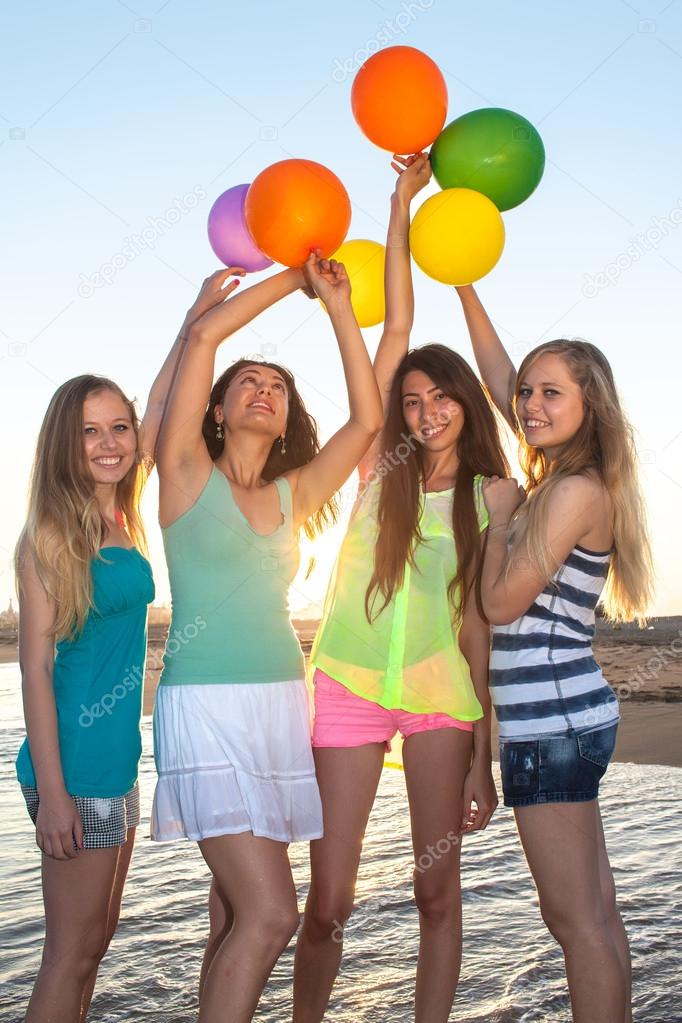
(493,151)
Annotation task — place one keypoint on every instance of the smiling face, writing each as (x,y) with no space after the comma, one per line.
(431,416)
(549,404)
(257,399)
(109,438)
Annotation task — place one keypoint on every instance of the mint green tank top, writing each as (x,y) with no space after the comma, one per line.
(409,657)
(229,586)
(98,679)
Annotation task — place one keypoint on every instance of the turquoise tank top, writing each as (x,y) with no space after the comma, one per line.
(98,680)
(229,586)
(409,657)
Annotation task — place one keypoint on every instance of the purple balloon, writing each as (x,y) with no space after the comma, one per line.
(229,235)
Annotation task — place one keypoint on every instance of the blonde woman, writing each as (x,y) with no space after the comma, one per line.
(580,534)
(84,586)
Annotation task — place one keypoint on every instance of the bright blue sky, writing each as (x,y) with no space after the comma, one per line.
(110,112)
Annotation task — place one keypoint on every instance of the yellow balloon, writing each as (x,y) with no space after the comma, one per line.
(364,262)
(457,236)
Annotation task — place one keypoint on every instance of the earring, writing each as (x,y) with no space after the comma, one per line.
(219,431)
(283,445)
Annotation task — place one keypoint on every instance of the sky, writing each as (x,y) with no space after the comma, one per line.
(123,121)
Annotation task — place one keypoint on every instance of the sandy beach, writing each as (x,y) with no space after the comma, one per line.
(643,665)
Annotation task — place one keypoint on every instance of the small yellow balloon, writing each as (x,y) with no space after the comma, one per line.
(364,262)
(457,236)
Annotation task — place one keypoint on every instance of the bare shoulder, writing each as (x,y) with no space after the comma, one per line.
(580,505)
(579,491)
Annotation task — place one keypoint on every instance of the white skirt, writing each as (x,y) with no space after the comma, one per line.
(234,758)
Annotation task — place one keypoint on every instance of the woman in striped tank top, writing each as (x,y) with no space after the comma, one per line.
(581,532)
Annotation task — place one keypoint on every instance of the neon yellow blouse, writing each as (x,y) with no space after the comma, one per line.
(409,657)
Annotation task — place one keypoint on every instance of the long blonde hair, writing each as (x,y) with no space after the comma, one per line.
(603,443)
(64,527)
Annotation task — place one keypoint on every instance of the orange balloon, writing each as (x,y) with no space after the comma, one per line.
(400,99)
(295,206)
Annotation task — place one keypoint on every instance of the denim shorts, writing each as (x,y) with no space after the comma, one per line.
(556,768)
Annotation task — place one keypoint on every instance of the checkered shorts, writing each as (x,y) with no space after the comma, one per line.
(105,821)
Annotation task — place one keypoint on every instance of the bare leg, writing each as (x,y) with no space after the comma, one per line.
(436,764)
(564,846)
(124,857)
(255,875)
(348,780)
(77,896)
(616,925)
(220,920)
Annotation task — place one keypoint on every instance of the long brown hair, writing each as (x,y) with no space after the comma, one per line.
(64,528)
(300,437)
(479,450)
(603,443)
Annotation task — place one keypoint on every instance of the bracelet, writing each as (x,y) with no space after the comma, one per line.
(491,529)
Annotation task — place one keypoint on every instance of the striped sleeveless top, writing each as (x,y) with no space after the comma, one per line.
(544,679)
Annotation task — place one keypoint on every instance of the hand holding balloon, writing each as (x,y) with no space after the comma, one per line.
(364,263)
(306,288)
(414,173)
(328,279)
(213,292)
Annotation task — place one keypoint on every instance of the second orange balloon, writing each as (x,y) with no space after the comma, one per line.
(294,206)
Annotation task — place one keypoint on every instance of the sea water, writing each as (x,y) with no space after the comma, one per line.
(512,969)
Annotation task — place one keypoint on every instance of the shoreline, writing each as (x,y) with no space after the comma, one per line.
(644,666)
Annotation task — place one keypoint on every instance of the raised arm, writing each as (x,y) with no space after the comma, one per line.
(180,446)
(313,484)
(494,364)
(58,824)
(158,395)
(414,172)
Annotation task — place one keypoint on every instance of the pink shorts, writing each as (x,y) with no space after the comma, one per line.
(344,719)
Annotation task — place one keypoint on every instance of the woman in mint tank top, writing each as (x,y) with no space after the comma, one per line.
(403,646)
(84,585)
(241,473)
(581,532)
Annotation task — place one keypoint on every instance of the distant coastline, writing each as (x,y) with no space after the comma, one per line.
(643,665)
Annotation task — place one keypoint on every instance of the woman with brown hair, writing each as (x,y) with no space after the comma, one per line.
(403,645)
(241,473)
